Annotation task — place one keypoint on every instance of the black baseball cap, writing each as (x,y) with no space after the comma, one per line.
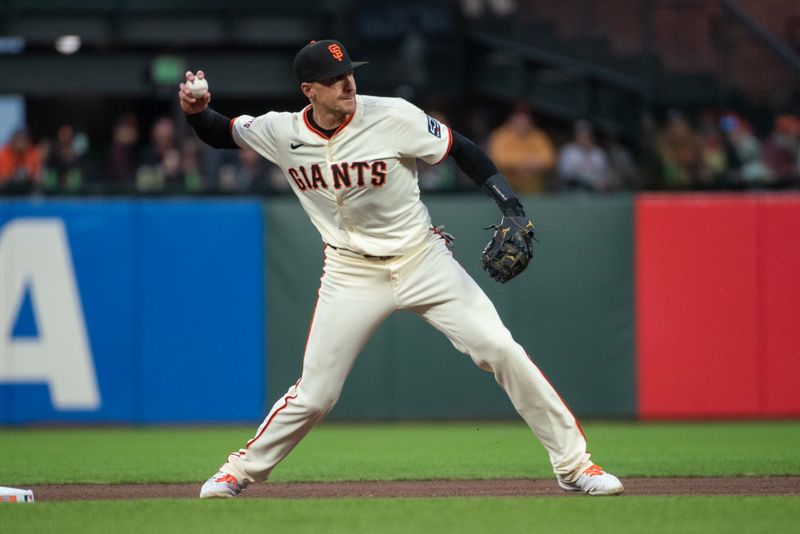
(323,60)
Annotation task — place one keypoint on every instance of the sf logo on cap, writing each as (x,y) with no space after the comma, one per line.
(336,51)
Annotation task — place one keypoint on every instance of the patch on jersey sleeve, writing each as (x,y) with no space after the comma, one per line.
(434,127)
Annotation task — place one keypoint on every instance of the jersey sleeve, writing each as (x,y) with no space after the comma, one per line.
(257,133)
(421,136)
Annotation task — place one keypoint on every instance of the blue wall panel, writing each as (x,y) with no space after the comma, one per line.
(5,392)
(172,297)
(202,329)
(99,236)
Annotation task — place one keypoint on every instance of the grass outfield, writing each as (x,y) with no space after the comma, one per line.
(388,516)
(403,451)
(397,451)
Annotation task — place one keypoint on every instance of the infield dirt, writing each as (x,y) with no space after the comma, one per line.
(789,485)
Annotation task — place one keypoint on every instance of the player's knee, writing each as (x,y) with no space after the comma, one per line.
(320,404)
(493,353)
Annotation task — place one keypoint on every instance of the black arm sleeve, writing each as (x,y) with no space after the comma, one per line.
(497,187)
(483,172)
(471,159)
(212,128)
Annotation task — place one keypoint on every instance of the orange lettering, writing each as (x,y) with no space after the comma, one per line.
(336,51)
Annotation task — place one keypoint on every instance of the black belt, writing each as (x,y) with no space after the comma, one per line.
(381,258)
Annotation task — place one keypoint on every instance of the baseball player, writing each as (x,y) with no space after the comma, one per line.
(350,159)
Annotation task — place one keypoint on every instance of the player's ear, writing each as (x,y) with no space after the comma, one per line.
(307,89)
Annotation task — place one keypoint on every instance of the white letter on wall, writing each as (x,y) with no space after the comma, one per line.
(34,253)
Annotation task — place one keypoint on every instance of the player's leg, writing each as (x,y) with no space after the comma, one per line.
(449,299)
(354,298)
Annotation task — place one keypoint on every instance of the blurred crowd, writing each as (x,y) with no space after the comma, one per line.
(169,160)
(713,150)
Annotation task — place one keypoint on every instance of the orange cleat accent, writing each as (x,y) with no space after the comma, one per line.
(221,485)
(227,478)
(593,470)
(594,481)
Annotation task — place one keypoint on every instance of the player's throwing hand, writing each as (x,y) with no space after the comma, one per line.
(191,104)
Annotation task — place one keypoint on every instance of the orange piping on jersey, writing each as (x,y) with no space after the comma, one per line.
(286,400)
(449,145)
(321,134)
(230,125)
(308,124)
(577,423)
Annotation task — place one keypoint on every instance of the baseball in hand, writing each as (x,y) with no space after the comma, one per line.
(198,87)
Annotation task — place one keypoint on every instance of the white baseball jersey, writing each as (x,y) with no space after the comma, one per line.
(359,187)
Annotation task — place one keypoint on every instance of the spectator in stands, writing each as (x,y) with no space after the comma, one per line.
(624,172)
(161,160)
(123,155)
(522,152)
(20,163)
(219,165)
(194,178)
(582,165)
(65,167)
(713,154)
(679,152)
(649,157)
(782,150)
(746,168)
(251,174)
(477,127)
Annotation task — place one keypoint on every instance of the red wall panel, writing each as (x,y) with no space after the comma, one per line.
(780,304)
(696,303)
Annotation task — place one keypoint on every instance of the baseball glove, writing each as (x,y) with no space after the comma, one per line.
(510,250)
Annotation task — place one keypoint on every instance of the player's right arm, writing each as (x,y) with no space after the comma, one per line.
(211,127)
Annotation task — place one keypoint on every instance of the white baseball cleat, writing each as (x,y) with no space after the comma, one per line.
(221,485)
(594,481)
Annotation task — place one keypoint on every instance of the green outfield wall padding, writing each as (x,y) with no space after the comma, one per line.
(572,310)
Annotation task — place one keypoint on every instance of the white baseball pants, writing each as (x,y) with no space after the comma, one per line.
(356,295)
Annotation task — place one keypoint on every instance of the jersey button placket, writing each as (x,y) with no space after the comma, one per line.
(339,194)
(343,213)
(394,281)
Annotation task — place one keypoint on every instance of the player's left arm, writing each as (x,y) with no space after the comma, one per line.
(418,135)
(511,248)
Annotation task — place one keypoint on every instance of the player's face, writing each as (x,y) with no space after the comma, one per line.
(336,95)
